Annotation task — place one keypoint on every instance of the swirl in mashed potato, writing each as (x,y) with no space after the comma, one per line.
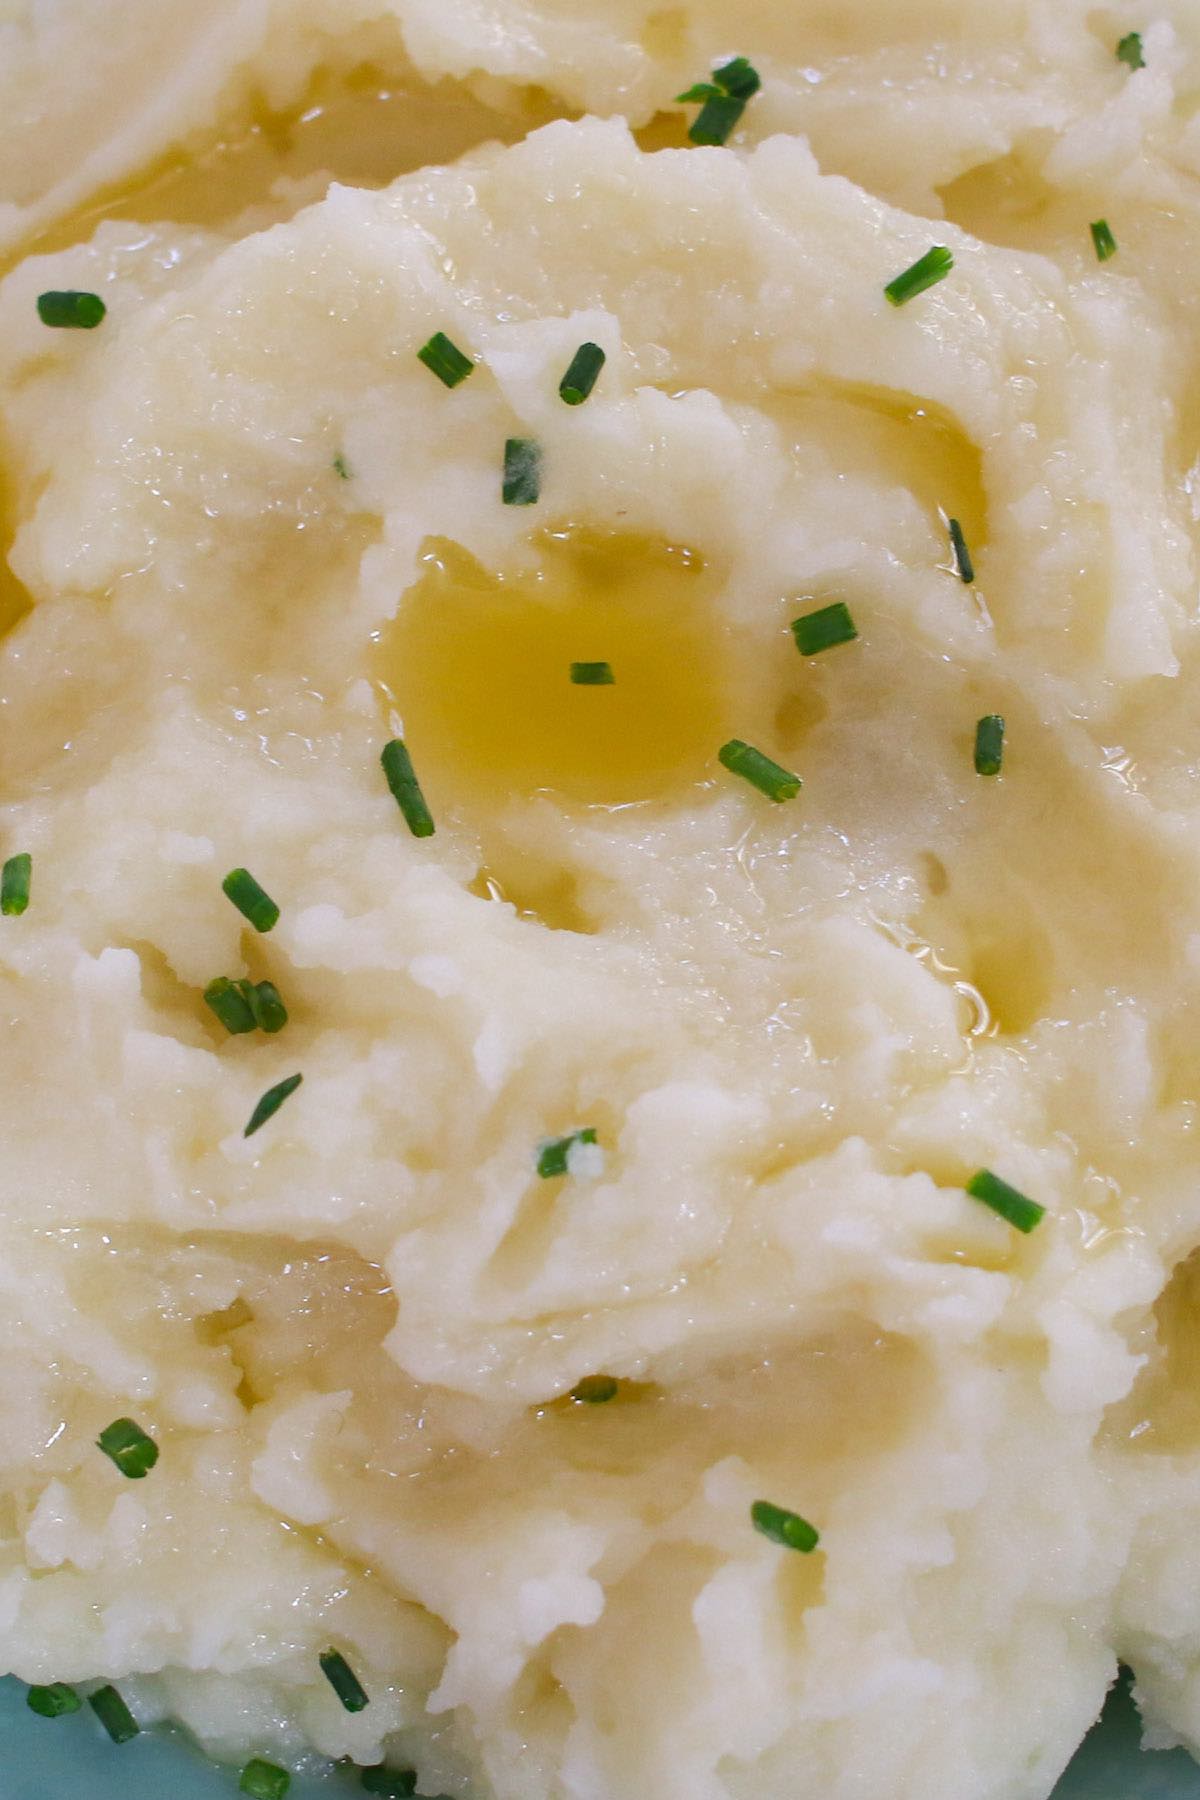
(252,538)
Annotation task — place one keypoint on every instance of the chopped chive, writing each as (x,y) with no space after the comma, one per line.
(14,884)
(743,759)
(522,471)
(114,1715)
(270,1103)
(445,359)
(989,744)
(242,1006)
(964,568)
(405,788)
(264,1780)
(724,100)
(597,674)
(926,272)
(127,1445)
(1129,50)
(341,466)
(389,1784)
(263,999)
(595,1390)
(553,1153)
(226,999)
(824,629)
(1103,240)
(252,901)
(582,375)
(53,1701)
(784,1527)
(1009,1202)
(73,310)
(344,1682)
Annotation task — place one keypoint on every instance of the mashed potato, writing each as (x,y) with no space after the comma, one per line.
(253,539)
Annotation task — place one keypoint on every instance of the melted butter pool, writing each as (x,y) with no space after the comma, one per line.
(476,666)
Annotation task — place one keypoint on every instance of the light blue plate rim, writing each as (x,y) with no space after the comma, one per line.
(44,1759)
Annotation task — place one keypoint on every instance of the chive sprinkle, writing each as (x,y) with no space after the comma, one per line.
(405,788)
(270,1103)
(743,759)
(824,629)
(14,884)
(1009,1202)
(784,1527)
(226,999)
(964,568)
(552,1153)
(252,901)
(389,1784)
(597,674)
(264,1780)
(926,272)
(129,1448)
(582,375)
(270,1014)
(53,1701)
(1103,241)
(522,472)
(724,98)
(344,1682)
(70,309)
(989,744)
(1129,50)
(341,466)
(114,1715)
(244,1006)
(595,1390)
(445,359)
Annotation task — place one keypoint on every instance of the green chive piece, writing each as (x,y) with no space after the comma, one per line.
(263,999)
(445,359)
(389,1784)
(989,744)
(270,1103)
(552,1153)
(1009,1202)
(963,566)
(597,674)
(341,466)
(1129,50)
(522,472)
(252,901)
(582,375)
(53,1701)
(73,310)
(264,1780)
(226,999)
(344,1682)
(243,1006)
(595,1390)
(14,884)
(127,1445)
(405,788)
(114,1715)
(724,100)
(743,759)
(824,629)
(926,272)
(1103,240)
(784,1527)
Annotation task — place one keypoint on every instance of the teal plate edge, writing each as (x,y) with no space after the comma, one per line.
(42,1759)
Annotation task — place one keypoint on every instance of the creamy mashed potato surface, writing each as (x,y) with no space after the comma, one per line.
(252,538)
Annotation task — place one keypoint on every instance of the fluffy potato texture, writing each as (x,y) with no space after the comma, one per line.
(797,1030)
